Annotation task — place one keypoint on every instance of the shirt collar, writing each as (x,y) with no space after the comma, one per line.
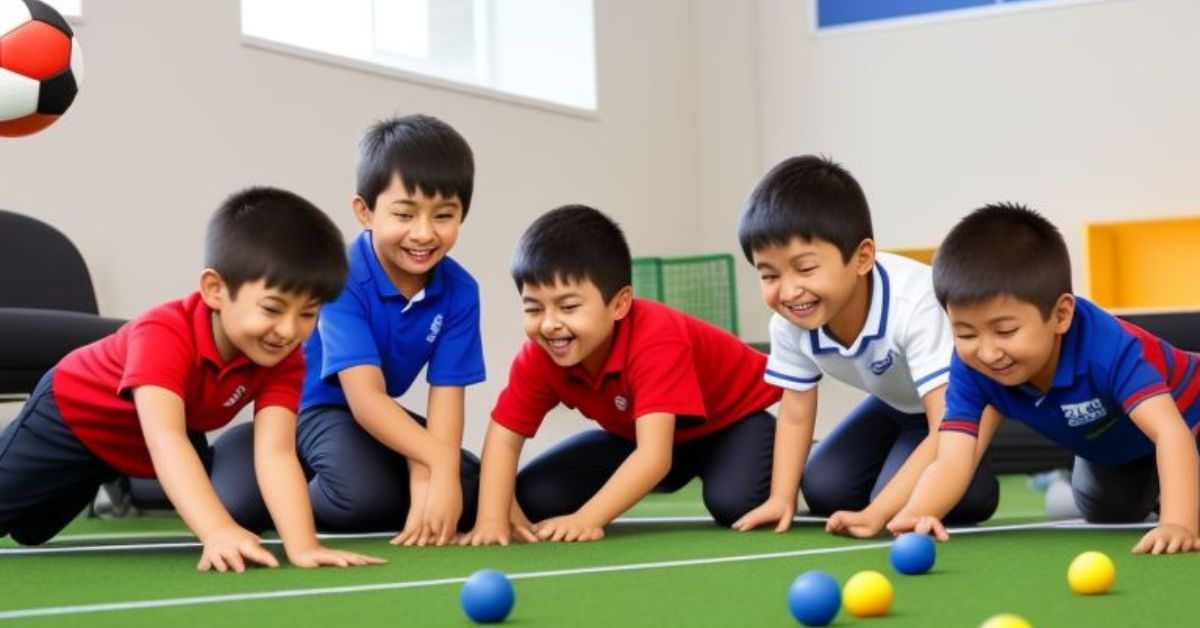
(874,327)
(618,351)
(376,275)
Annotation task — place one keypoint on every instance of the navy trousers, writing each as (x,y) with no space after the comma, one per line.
(47,476)
(355,483)
(851,465)
(734,465)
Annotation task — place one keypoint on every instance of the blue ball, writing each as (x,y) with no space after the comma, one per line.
(487,597)
(814,598)
(913,553)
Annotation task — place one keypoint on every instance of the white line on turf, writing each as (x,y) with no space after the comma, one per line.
(1070,524)
(388,586)
(1073,524)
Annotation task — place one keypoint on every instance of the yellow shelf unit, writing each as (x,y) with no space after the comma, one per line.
(1144,264)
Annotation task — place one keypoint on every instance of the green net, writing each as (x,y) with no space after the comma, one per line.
(701,285)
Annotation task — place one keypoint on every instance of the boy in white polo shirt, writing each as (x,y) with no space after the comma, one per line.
(868,319)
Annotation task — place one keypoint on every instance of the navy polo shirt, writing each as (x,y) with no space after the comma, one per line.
(1106,367)
(372,323)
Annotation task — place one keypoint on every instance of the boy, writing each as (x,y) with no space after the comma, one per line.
(135,402)
(373,464)
(676,397)
(868,319)
(1026,348)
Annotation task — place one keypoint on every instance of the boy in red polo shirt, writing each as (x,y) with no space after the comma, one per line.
(676,397)
(138,402)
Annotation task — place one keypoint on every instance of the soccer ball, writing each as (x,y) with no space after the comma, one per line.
(41,66)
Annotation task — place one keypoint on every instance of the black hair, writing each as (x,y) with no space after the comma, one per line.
(1003,249)
(272,234)
(428,154)
(808,197)
(573,243)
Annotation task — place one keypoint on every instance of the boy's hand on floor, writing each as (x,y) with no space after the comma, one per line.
(230,547)
(569,528)
(773,511)
(496,533)
(442,510)
(319,555)
(906,522)
(856,523)
(1167,539)
(411,533)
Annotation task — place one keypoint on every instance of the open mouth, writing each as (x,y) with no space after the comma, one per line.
(419,256)
(559,347)
(801,310)
(275,347)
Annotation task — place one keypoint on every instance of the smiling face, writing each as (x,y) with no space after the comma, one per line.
(1008,340)
(571,321)
(809,284)
(265,324)
(411,233)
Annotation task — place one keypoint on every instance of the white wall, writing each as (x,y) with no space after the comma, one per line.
(176,113)
(1087,112)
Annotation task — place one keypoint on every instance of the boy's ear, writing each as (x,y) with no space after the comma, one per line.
(212,289)
(362,211)
(864,257)
(621,302)
(1064,311)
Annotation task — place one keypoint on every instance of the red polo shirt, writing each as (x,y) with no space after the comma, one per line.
(170,346)
(661,360)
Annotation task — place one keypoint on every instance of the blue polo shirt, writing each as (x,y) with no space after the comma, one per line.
(1106,367)
(372,323)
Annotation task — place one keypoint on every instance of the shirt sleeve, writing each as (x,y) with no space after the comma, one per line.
(788,366)
(524,402)
(346,337)
(458,357)
(1133,378)
(157,354)
(928,345)
(283,386)
(965,400)
(662,378)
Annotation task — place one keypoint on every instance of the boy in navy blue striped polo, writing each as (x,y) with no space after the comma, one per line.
(1028,349)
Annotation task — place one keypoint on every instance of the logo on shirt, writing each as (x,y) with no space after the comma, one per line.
(434,328)
(1083,413)
(236,396)
(621,402)
(879,367)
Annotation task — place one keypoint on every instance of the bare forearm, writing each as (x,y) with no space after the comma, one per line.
(632,481)
(186,484)
(390,425)
(498,479)
(1180,473)
(940,488)
(793,439)
(892,498)
(285,491)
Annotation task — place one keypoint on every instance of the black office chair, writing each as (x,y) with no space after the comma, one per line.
(47,303)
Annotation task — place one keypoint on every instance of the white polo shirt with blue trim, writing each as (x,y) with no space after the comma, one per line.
(902,352)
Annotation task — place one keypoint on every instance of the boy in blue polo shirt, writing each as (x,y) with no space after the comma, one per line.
(375,465)
(868,319)
(1026,348)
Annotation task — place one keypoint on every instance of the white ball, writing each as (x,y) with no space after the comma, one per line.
(1060,502)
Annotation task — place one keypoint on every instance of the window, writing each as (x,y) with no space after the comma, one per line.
(542,50)
(837,14)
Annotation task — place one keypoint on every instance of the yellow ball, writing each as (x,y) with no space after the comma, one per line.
(1091,573)
(1006,620)
(868,594)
